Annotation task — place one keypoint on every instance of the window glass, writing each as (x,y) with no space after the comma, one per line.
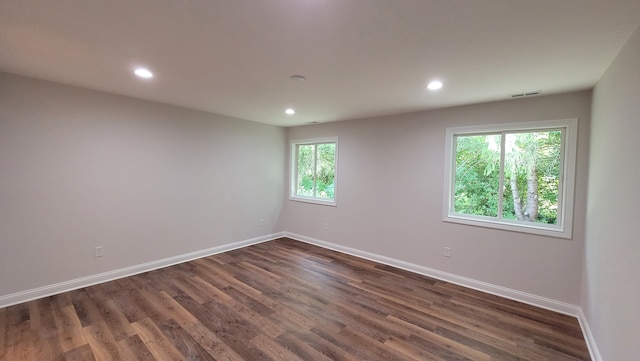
(477,178)
(512,178)
(314,170)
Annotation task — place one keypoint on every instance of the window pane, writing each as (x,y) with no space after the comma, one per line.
(477,174)
(532,176)
(313,171)
(325,170)
(305,178)
(531,163)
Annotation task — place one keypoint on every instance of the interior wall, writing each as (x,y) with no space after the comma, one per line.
(390,196)
(611,288)
(82,168)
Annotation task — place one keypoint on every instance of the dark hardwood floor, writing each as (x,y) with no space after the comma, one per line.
(284,300)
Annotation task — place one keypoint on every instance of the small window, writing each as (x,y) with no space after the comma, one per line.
(516,177)
(313,170)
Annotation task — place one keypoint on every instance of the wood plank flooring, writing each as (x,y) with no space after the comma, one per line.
(284,300)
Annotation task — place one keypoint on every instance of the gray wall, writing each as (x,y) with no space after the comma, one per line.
(611,282)
(81,168)
(390,196)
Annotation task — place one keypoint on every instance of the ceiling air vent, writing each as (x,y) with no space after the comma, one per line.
(527,94)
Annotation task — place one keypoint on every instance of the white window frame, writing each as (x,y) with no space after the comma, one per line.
(294,172)
(564,228)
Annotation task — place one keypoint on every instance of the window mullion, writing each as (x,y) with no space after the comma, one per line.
(452,182)
(315,170)
(561,169)
(501,182)
(295,170)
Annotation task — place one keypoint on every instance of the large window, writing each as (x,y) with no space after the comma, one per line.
(517,177)
(313,171)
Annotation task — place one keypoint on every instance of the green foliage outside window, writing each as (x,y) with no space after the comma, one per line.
(316,170)
(530,175)
(477,176)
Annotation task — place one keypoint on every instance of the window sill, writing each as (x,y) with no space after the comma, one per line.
(514,226)
(331,203)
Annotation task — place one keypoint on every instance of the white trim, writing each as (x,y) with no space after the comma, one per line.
(588,336)
(528,298)
(565,228)
(35,293)
(320,201)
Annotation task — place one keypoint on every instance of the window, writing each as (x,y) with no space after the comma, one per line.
(313,170)
(517,177)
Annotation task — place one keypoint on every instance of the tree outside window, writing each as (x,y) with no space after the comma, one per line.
(530,176)
(513,176)
(314,171)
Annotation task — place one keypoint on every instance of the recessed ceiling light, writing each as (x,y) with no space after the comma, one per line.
(289,111)
(143,73)
(435,85)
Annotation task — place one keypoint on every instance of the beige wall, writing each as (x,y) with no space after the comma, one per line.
(81,168)
(390,195)
(611,282)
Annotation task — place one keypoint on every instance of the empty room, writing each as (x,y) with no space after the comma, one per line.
(319,180)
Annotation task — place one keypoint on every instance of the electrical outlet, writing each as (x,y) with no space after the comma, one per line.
(325,226)
(447,252)
(98,251)
(261,222)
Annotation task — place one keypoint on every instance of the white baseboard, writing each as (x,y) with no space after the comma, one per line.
(538,301)
(505,292)
(588,336)
(32,294)
(528,298)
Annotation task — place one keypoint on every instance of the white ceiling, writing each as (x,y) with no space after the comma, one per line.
(360,57)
